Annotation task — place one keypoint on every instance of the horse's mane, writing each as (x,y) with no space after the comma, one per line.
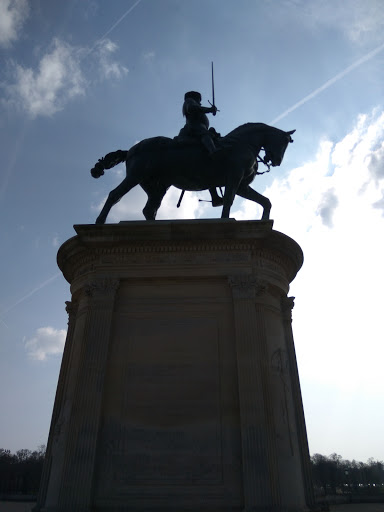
(243,128)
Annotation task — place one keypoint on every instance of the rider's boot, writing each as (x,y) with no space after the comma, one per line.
(216,199)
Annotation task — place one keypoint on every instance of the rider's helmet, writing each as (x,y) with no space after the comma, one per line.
(194,95)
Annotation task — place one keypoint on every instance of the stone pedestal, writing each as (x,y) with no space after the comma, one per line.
(179,387)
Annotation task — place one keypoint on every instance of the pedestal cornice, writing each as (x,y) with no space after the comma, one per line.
(211,245)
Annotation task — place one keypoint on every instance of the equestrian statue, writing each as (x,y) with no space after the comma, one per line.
(197,159)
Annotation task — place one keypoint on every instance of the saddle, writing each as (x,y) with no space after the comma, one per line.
(186,138)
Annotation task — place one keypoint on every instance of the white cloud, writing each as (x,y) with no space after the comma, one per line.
(46,342)
(333,208)
(60,76)
(149,55)
(13,13)
(46,90)
(109,68)
(338,308)
(327,207)
(188,208)
(337,319)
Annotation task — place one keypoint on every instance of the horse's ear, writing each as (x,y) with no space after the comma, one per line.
(289,134)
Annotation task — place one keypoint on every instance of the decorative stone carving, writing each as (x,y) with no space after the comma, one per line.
(287,304)
(247,286)
(71,309)
(101,288)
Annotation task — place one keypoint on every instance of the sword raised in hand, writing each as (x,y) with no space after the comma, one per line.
(213,93)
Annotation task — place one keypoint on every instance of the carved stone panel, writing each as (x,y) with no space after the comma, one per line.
(170,413)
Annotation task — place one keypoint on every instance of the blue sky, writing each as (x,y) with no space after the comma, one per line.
(79,79)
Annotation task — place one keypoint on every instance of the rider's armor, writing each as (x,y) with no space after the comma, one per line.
(197,122)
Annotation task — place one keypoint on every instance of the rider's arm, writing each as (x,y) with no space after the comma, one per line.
(191,106)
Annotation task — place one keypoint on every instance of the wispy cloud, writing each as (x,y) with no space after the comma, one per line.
(327,207)
(108,67)
(149,55)
(46,342)
(330,82)
(60,76)
(13,14)
(57,79)
(61,73)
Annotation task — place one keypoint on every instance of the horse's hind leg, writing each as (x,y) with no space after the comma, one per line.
(114,197)
(155,196)
(248,193)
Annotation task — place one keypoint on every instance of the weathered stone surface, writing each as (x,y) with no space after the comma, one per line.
(179,386)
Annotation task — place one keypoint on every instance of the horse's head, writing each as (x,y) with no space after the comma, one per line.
(276,145)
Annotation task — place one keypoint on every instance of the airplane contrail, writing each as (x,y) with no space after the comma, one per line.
(330,82)
(29,294)
(119,20)
(110,29)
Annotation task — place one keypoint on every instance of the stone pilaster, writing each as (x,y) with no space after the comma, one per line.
(260,472)
(80,451)
(287,304)
(47,475)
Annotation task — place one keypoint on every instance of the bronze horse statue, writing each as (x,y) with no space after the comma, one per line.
(159,162)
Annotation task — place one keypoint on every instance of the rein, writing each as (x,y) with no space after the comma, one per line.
(262,161)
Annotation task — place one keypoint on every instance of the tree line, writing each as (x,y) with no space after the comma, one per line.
(20,473)
(335,475)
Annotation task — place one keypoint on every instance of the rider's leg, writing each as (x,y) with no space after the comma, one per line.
(216,199)
(208,143)
(211,148)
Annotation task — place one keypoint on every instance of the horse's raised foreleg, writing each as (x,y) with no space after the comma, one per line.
(155,196)
(248,193)
(114,197)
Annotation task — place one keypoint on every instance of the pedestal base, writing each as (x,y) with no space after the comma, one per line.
(179,387)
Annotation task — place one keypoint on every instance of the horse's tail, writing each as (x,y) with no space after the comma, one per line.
(108,161)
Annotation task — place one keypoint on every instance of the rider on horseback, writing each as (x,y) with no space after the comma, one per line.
(197,122)
(196,126)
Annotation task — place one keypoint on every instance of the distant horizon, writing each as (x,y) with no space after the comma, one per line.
(311,454)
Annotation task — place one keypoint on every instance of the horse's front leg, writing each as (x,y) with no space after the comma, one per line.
(228,199)
(230,193)
(248,193)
